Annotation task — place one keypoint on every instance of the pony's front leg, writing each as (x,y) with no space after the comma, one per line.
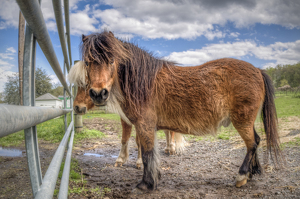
(150,157)
(124,152)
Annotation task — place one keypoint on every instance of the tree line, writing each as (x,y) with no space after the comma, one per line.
(283,75)
(43,85)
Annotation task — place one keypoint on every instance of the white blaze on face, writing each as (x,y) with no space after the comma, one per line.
(77,74)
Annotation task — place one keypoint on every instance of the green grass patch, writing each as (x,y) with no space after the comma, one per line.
(287,105)
(52,130)
(88,134)
(74,176)
(293,143)
(108,116)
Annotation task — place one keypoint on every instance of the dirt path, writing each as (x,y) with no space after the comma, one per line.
(205,170)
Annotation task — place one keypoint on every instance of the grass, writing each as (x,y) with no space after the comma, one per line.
(52,130)
(87,134)
(293,143)
(287,105)
(108,116)
(78,186)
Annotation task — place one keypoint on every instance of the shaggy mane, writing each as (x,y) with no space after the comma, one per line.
(137,68)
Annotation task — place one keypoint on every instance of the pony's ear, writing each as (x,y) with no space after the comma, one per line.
(111,34)
(83,37)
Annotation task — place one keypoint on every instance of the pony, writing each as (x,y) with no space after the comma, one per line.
(153,94)
(175,142)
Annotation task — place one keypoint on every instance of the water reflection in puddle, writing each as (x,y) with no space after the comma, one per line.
(99,155)
(8,152)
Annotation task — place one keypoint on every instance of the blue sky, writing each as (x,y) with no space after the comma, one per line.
(190,32)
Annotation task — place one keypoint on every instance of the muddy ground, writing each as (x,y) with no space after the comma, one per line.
(207,169)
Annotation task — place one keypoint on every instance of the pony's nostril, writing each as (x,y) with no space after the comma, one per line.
(104,94)
(76,108)
(93,93)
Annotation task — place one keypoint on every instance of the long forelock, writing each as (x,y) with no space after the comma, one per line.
(102,47)
(77,74)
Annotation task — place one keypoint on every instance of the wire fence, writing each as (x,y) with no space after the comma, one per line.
(15,118)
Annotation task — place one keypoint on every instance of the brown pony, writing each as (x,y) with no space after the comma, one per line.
(82,103)
(156,94)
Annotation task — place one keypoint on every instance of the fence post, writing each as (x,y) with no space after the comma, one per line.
(31,143)
(78,118)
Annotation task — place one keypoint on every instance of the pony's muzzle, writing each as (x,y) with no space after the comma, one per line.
(99,98)
(80,110)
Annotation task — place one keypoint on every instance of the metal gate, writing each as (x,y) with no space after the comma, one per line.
(15,118)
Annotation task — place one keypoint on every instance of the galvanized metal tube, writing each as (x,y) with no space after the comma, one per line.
(65,102)
(67,21)
(31,142)
(64,184)
(15,118)
(50,178)
(60,28)
(34,17)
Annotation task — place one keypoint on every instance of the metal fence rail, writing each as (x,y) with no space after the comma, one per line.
(16,118)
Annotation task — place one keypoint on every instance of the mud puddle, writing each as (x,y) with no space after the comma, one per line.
(11,152)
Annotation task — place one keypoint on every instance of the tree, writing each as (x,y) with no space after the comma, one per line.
(2,98)
(57,90)
(11,90)
(283,82)
(42,82)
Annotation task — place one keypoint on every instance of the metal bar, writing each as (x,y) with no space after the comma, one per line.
(64,184)
(15,118)
(65,101)
(50,178)
(67,21)
(31,143)
(34,17)
(60,28)
(71,103)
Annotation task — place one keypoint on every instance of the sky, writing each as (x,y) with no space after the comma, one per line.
(190,32)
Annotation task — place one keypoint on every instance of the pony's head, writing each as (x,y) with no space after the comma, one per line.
(78,76)
(102,54)
(82,102)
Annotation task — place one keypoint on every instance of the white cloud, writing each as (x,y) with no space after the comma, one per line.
(54,79)
(279,53)
(9,13)
(169,19)
(6,66)
(188,19)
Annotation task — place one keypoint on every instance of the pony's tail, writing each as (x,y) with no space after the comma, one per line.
(270,122)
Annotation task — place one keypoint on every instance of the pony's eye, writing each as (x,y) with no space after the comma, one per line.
(87,63)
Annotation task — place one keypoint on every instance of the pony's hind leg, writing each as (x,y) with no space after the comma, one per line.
(250,164)
(124,152)
(167,149)
(170,146)
(255,167)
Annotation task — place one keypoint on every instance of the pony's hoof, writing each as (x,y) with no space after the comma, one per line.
(241,180)
(118,164)
(241,183)
(137,191)
(172,152)
(142,186)
(167,151)
(138,166)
